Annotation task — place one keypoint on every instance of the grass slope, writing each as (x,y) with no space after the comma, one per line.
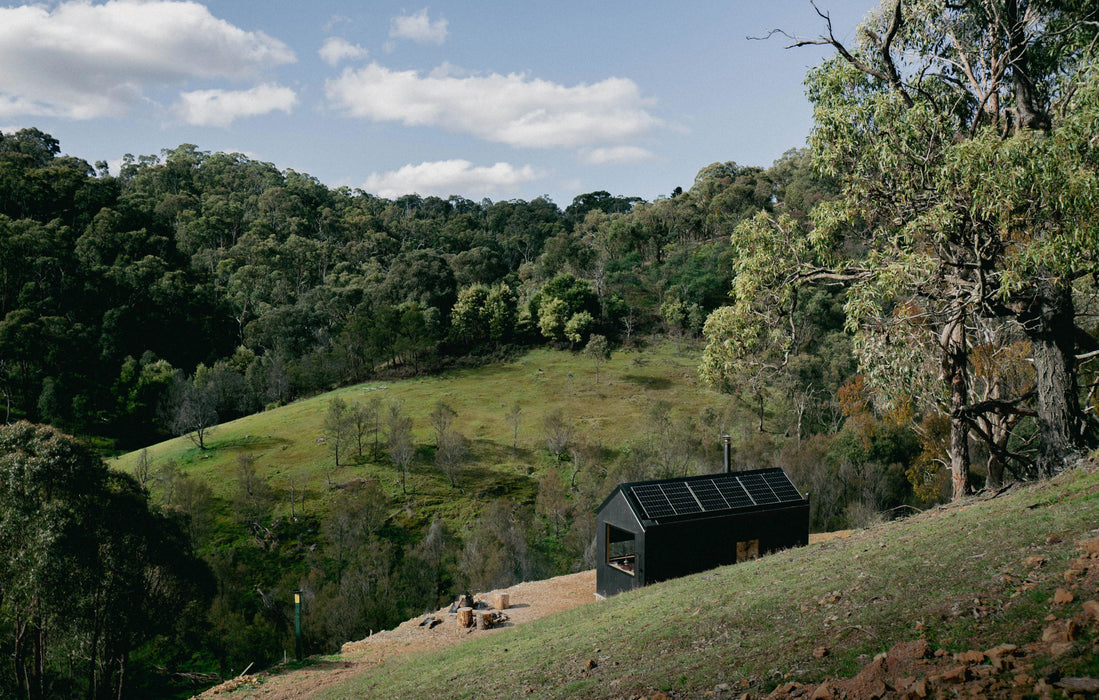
(964,576)
(608,412)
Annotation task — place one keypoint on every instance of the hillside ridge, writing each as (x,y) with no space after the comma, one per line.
(1027,626)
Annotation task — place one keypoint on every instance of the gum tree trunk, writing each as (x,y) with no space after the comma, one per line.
(1048,321)
(955,373)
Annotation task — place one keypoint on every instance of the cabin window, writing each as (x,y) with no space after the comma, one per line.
(621,550)
(747,550)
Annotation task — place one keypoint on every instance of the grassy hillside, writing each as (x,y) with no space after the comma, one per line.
(286,440)
(966,576)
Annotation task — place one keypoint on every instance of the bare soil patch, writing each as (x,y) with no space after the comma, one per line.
(530,600)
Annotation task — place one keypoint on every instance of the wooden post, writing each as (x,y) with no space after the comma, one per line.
(465,617)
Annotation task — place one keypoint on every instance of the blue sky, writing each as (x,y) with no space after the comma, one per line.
(480,99)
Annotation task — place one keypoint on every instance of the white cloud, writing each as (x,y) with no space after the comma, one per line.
(79,61)
(512,109)
(418,28)
(336,50)
(222,107)
(447,177)
(615,155)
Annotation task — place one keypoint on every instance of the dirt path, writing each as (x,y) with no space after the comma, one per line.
(528,601)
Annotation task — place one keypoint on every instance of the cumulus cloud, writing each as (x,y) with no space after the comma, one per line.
(336,50)
(222,107)
(512,109)
(418,28)
(447,177)
(79,61)
(615,155)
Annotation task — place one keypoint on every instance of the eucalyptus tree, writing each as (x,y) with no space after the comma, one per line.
(89,571)
(960,134)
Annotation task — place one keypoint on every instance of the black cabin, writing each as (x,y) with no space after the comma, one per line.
(649,531)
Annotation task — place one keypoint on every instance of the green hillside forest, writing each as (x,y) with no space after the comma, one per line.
(223,383)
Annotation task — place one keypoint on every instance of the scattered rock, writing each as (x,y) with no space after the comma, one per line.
(1062,597)
(1091,607)
(820,652)
(591,663)
(1079,685)
(1064,631)
(1001,651)
(917,649)
(970,657)
(1058,648)
(1034,562)
(919,688)
(1022,680)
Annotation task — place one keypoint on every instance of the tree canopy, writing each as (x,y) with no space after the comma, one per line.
(960,135)
(89,571)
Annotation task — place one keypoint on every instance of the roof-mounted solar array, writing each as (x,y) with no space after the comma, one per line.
(679,497)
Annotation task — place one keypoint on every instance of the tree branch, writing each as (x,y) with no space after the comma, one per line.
(1001,406)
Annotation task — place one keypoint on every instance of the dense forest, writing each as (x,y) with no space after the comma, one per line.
(903,313)
(194,284)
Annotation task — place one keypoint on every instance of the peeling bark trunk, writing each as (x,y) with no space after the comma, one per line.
(1048,319)
(1029,114)
(955,373)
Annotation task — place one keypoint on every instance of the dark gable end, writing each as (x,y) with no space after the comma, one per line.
(650,531)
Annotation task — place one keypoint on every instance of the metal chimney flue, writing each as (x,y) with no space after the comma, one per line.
(727,440)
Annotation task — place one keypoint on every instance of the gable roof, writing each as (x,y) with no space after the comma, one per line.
(686,498)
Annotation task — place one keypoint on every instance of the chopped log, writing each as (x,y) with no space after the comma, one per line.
(500,601)
(465,601)
(465,617)
(484,619)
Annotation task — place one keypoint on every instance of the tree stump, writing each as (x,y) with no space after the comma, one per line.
(484,619)
(465,617)
(500,601)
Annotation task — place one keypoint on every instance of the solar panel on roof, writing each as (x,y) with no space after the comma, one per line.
(681,498)
(676,497)
(757,488)
(784,489)
(734,493)
(653,501)
(708,496)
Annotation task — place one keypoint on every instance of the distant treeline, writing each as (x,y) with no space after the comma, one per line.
(209,284)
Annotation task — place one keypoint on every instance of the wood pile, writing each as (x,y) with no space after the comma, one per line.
(470,612)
